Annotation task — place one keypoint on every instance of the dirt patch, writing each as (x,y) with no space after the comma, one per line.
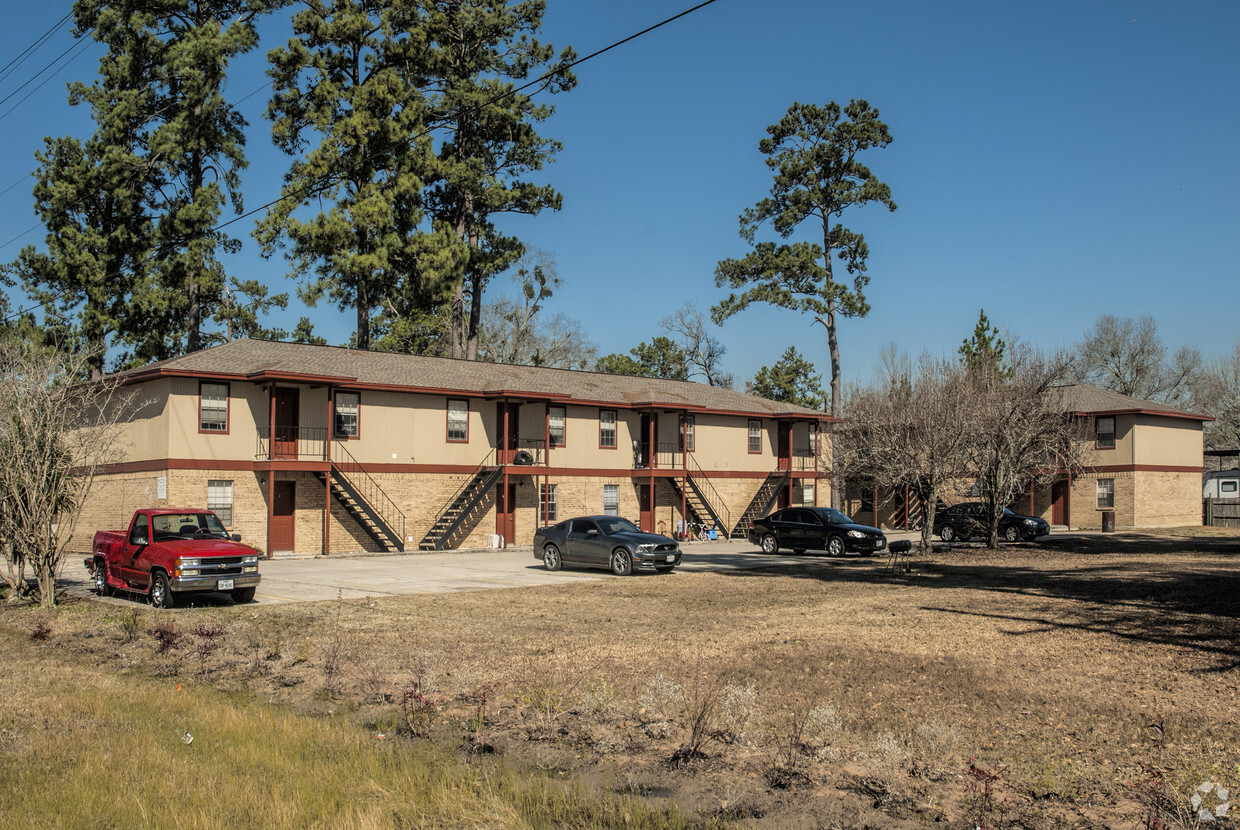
(1063,685)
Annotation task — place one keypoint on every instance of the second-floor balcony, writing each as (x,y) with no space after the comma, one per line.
(292,444)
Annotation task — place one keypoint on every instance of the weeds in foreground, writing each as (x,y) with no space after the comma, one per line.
(785,769)
(701,713)
(166,636)
(131,624)
(41,632)
(209,637)
(987,806)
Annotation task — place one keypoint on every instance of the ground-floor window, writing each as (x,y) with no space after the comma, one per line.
(546,503)
(807,495)
(1106,493)
(611,499)
(220,500)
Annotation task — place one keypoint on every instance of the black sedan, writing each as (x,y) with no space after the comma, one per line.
(970,519)
(604,542)
(815,528)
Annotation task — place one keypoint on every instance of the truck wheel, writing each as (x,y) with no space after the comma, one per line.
(240,595)
(161,591)
(101,578)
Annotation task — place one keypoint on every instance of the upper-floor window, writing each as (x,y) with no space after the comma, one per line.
(813,439)
(555,425)
(347,410)
(1104,432)
(213,407)
(458,421)
(686,433)
(1106,493)
(607,429)
(755,436)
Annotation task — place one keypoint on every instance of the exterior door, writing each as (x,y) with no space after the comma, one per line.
(645,449)
(280,535)
(784,445)
(287,415)
(508,448)
(1059,502)
(644,502)
(506,514)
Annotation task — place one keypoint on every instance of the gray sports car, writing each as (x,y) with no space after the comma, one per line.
(604,542)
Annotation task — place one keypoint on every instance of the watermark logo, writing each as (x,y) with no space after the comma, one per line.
(1210,801)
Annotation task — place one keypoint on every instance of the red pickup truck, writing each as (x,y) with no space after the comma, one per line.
(170,551)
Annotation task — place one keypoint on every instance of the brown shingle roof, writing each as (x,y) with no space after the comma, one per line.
(262,359)
(1090,400)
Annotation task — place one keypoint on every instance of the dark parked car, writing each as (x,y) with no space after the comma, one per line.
(969,519)
(604,542)
(815,528)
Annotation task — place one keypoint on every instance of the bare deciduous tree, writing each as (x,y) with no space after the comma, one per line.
(1023,435)
(703,353)
(55,434)
(914,428)
(1128,356)
(1216,391)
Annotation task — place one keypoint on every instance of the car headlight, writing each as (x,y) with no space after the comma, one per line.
(856,534)
(249,560)
(1032,522)
(645,548)
(188,563)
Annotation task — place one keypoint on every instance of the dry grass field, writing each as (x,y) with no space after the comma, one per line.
(1080,684)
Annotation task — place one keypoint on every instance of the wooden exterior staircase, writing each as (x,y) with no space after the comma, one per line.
(364,500)
(762,502)
(462,505)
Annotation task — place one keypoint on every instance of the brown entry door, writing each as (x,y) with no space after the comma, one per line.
(1059,503)
(287,414)
(506,515)
(283,501)
(644,502)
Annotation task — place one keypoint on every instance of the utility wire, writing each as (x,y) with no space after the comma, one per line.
(542,80)
(53,62)
(81,46)
(8,68)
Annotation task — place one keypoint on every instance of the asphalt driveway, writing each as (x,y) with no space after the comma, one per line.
(308,579)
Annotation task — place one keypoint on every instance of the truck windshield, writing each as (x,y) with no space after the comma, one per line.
(187,526)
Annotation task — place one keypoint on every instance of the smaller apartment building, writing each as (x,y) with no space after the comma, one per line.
(1144,465)
(315,449)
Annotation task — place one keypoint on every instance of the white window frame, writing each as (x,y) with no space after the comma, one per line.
(216,405)
(339,429)
(458,421)
(611,499)
(755,436)
(1106,494)
(547,502)
(608,433)
(220,499)
(557,426)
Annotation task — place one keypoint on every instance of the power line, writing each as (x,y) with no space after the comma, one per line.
(81,45)
(542,80)
(8,68)
(77,43)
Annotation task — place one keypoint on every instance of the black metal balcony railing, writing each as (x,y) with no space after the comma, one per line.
(292,444)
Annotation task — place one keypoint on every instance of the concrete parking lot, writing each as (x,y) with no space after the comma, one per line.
(310,579)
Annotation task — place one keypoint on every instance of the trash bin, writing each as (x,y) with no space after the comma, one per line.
(1108,521)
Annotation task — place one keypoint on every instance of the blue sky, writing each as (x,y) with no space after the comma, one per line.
(1052,162)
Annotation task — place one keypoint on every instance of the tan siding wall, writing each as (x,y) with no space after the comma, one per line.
(144,436)
(1167,441)
(247,404)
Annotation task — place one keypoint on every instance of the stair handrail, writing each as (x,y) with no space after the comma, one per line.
(375,495)
(714,501)
(486,462)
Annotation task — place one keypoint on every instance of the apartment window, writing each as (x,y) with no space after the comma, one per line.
(686,433)
(611,499)
(546,503)
(1106,494)
(813,439)
(347,407)
(807,495)
(220,500)
(755,436)
(555,425)
(607,429)
(213,407)
(1104,431)
(458,421)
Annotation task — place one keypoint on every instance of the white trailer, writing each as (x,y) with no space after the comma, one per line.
(1224,484)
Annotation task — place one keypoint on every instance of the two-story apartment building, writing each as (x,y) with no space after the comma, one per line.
(1143,464)
(317,449)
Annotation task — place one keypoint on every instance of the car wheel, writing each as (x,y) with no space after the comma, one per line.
(947,533)
(1011,534)
(551,558)
(161,591)
(798,550)
(101,578)
(240,595)
(835,546)
(621,562)
(770,544)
